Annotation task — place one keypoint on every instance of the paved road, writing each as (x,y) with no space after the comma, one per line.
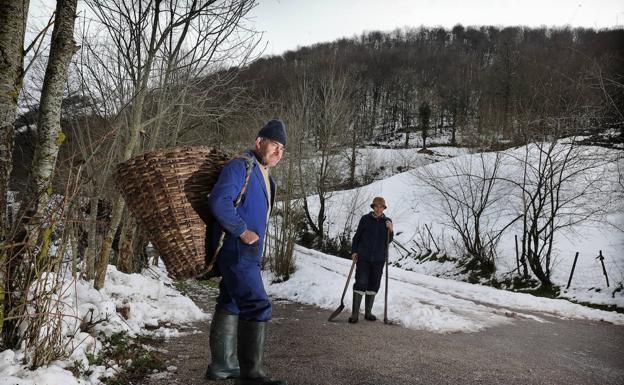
(303,348)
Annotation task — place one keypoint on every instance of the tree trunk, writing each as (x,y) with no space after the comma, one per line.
(49,139)
(453,127)
(124,256)
(173,140)
(13,15)
(89,268)
(49,134)
(74,240)
(102,262)
(373,117)
(139,249)
(321,221)
(353,160)
(534,258)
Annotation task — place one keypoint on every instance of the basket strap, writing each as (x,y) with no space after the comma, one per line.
(249,161)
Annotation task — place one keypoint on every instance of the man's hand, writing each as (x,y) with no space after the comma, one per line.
(248,237)
(389,225)
(354,257)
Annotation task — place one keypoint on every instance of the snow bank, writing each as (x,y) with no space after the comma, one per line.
(150,300)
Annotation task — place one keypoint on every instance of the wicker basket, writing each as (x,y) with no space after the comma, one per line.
(166,191)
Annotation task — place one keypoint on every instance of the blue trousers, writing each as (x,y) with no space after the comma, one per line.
(368,276)
(241,290)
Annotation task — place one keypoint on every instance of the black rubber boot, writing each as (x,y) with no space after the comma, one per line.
(368,307)
(355,309)
(223,331)
(251,336)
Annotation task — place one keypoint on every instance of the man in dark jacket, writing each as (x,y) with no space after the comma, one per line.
(369,249)
(243,307)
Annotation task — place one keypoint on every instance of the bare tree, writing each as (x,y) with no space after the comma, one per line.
(324,110)
(13,15)
(39,188)
(468,193)
(559,189)
(49,134)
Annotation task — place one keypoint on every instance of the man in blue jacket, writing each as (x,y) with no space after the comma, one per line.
(243,307)
(369,251)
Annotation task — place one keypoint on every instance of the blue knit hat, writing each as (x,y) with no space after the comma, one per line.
(274,130)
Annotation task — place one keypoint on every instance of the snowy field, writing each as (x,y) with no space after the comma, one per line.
(412,204)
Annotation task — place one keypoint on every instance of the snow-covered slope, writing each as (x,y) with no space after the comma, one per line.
(412,204)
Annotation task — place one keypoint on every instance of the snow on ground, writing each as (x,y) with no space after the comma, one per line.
(412,205)
(423,302)
(151,299)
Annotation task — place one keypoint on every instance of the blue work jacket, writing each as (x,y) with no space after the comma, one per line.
(370,238)
(250,214)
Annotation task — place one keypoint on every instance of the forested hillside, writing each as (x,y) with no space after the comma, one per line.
(505,83)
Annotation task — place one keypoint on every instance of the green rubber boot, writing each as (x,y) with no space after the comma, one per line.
(251,335)
(368,307)
(223,331)
(355,309)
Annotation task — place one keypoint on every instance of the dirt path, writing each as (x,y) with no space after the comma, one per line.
(303,348)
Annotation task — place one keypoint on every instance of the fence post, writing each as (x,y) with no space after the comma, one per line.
(604,271)
(434,242)
(517,256)
(572,272)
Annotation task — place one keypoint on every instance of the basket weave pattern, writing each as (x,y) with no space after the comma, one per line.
(166,190)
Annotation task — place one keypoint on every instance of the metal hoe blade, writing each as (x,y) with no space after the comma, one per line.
(336,312)
(342,305)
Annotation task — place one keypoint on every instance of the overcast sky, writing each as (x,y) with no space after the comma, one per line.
(288,24)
